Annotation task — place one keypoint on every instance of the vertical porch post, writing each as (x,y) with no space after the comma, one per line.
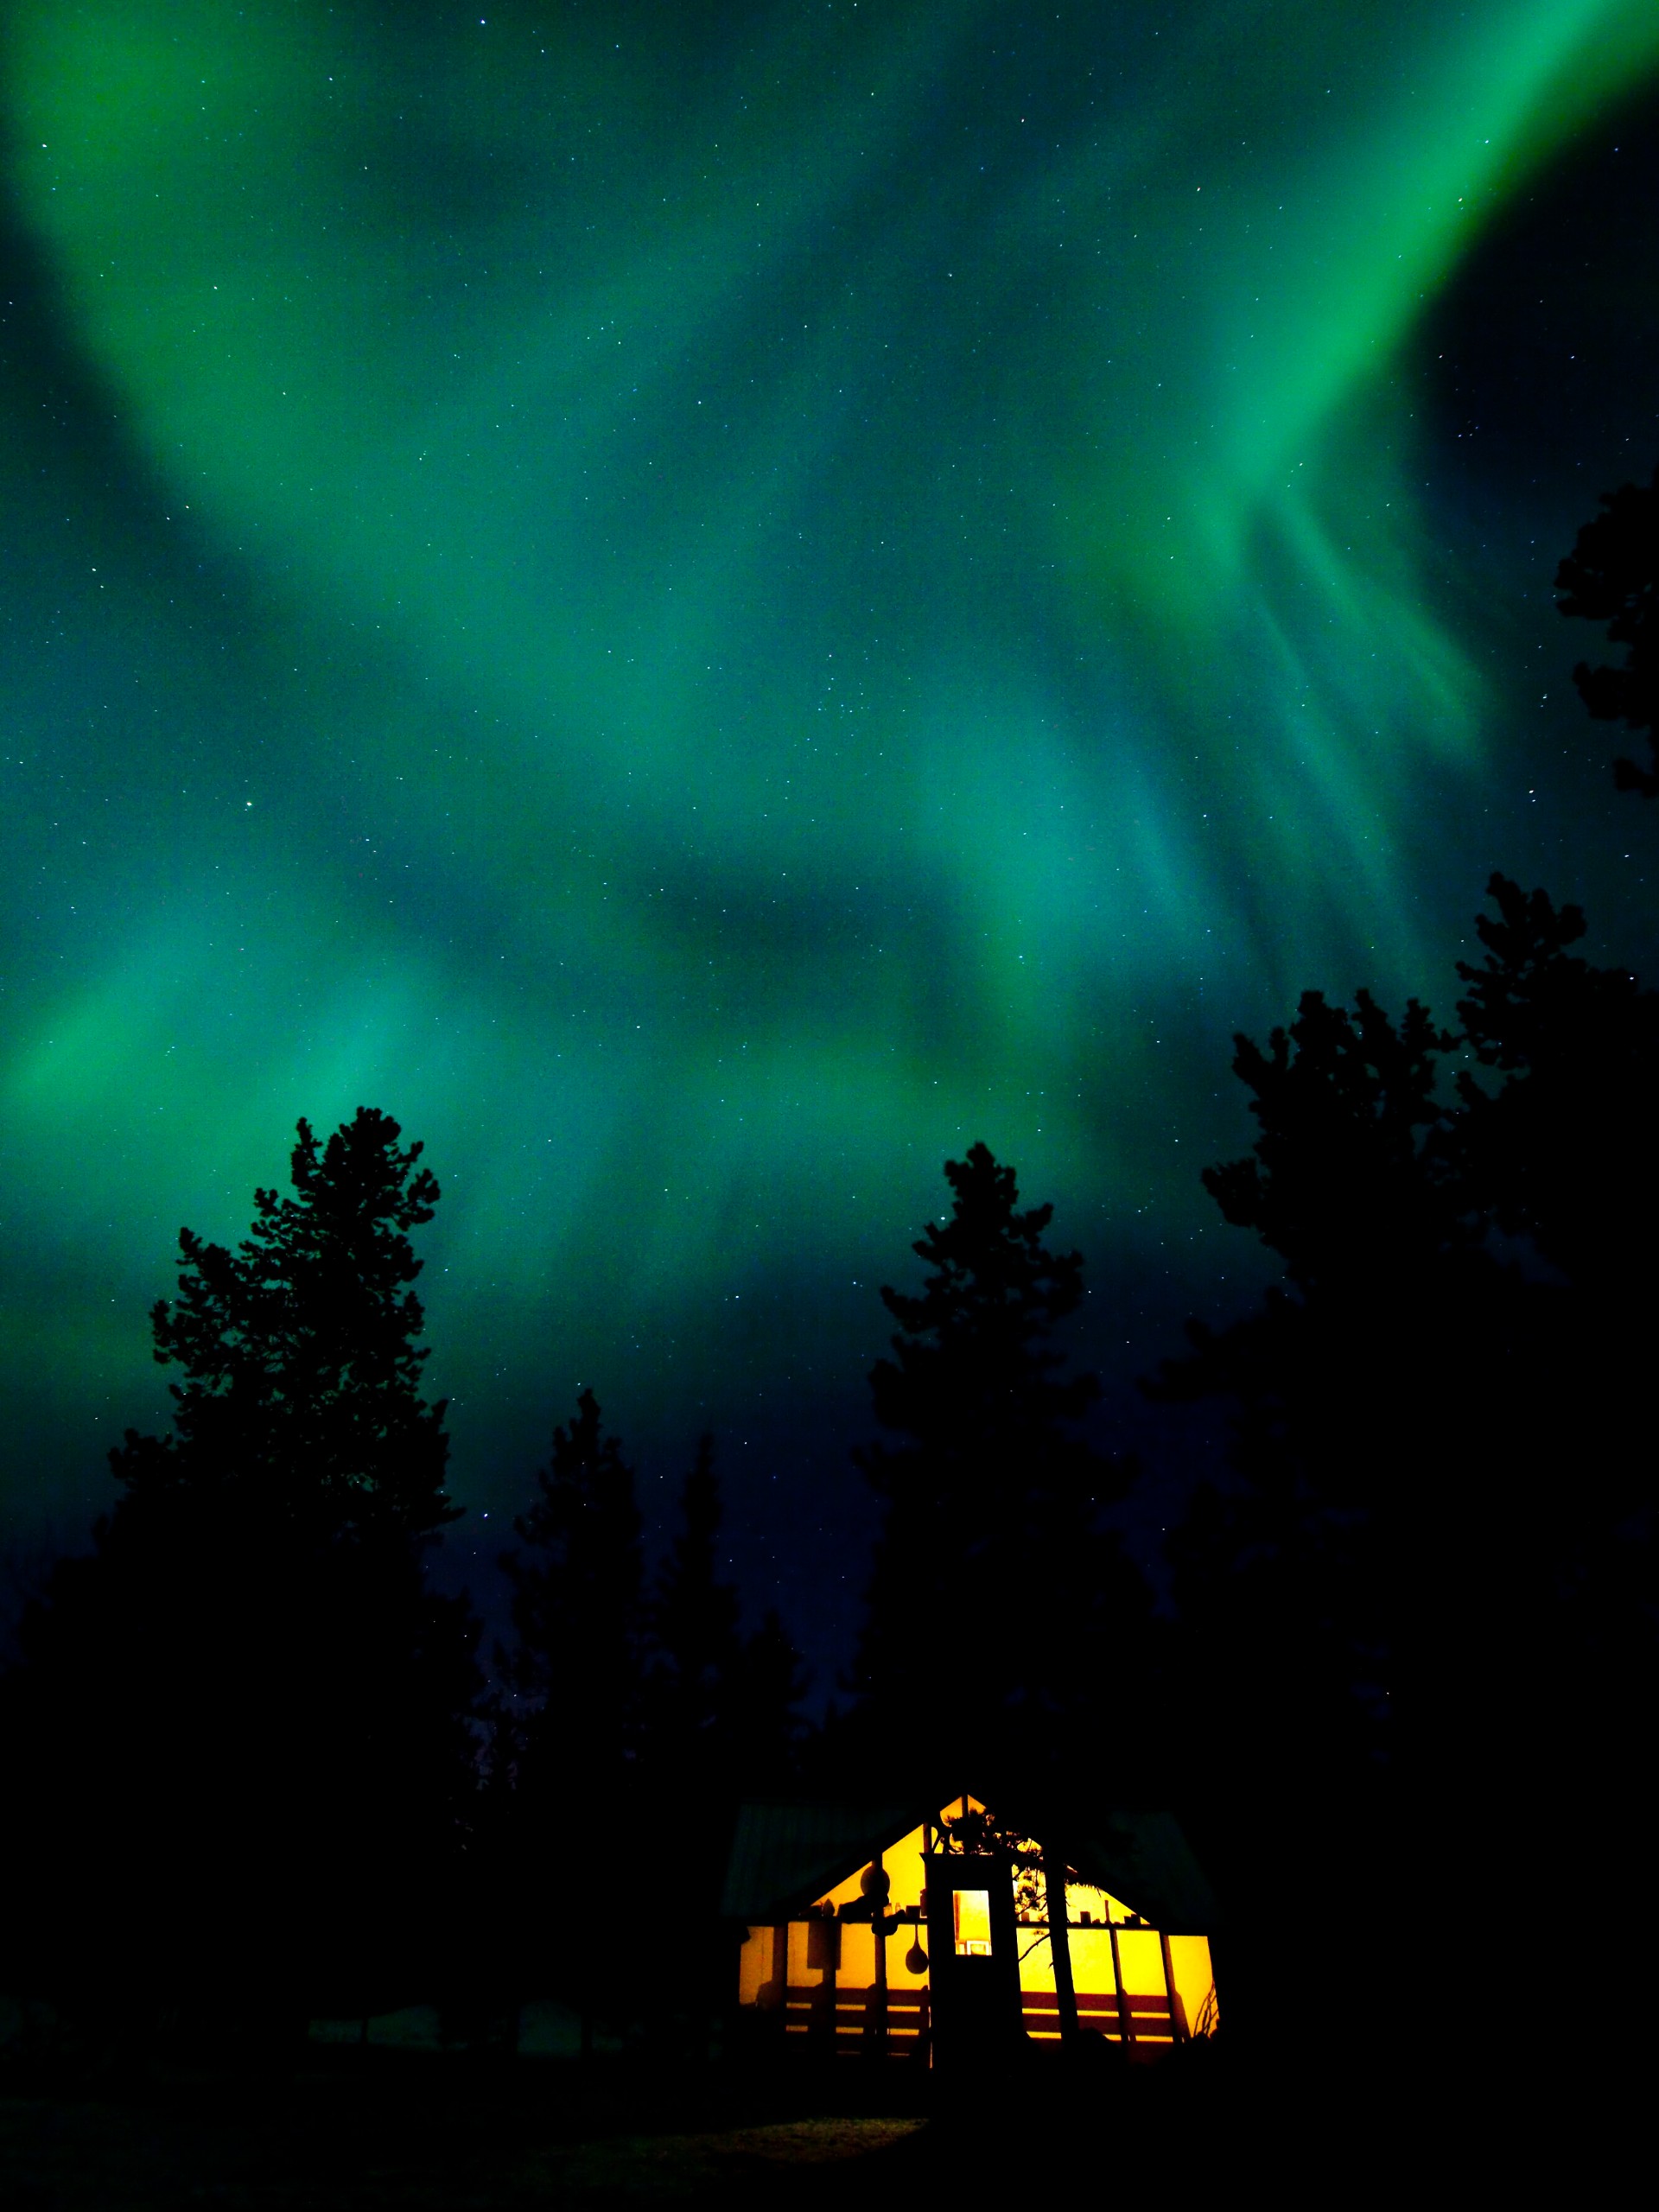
(877,2019)
(1178,2029)
(1125,2019)
(1059,1941)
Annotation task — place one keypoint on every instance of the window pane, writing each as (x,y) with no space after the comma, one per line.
(973,1908)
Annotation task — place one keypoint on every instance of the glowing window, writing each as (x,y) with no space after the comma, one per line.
(973,1911)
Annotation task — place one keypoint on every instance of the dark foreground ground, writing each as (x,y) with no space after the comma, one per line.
(366,2132)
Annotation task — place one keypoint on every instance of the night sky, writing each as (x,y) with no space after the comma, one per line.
(707,603)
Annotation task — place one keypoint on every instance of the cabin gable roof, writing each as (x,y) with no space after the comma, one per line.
(785,1856)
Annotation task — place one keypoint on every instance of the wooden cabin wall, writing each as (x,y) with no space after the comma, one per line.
(812,1953)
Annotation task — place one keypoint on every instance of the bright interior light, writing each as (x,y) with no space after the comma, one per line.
(973,1915)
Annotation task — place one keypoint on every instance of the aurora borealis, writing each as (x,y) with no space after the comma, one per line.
(707,603)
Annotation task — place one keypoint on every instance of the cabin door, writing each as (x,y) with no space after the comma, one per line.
(973,1955)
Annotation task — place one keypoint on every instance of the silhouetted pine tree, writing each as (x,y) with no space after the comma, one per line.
(694,1617)
(721,1725)
(244,1710)
(1611,575)
(577,1662)
(724,1716)
(1567,1147)
(1427,1603)
(1352,1388)
(1000,1615)
(1462,1325)
(762,1708)
(1555,1148)
(576,1670)
(300,1349)
(1555,1141)
(1342,1675)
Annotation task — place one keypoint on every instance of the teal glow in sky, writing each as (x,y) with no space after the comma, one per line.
(708,603)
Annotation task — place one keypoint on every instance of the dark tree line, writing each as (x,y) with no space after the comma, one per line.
(635,1717)
(238,1741)
(1419,1625)
(254,1771)
(255,1768)
(1003,1614)
(1611,575)
(1410,1677)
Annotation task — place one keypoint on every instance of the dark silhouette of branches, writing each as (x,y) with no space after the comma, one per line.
(244,1714)
(995,1594)
(1611,575)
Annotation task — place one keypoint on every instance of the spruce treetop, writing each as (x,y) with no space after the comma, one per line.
(300,1349)
(973,1348)
(1611,575)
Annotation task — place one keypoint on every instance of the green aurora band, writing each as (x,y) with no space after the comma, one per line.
(707,603)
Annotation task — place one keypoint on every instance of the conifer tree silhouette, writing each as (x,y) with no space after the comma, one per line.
(1429,1594)
(721,1726)
(995,1595)
(1426,1601)
(768,1681)
(1555,1150)
(1554,1140)
(1611,575)
(693,1618)
(576,1669)
(299,1349)
(246,1695)
(635,1722)
(577,1581)
(1340,1633)
(723,1706)
(1342,1382)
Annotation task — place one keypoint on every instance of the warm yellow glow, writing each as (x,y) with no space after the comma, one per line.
(857,1966)
(840,1983)
(904,1944)
(1084,1901)
(1145,1994)
(814,1946)
(760,1965)
(1195,1983)
(973,1924)
(1142,1960)
(1091,1960)
(901,1864)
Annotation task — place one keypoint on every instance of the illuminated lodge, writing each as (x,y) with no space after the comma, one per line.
(891,1936)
